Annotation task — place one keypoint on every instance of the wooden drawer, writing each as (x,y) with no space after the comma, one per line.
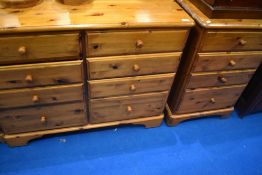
(43,74)
(127,107)
(133,65)
(232,41)
(34,48)
(40,96)
(130,85)
(135,42)
(42,118)
(210,98)
(227,61)
(220,78)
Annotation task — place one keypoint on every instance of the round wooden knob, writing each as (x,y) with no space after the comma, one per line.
(139,43)
(222,79)
(129,109)
(29,78)
(35,98)
(232,63)
(212,100)
(132,87)
(43,119)
(136,68)
(22,50)
(242,42)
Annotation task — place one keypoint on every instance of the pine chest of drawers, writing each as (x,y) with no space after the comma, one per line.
(68,68)
(220,58)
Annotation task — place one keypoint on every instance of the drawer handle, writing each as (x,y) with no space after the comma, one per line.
(136,68)
(212,100)
(232,63)
(35,98)
(29,78)
(139,43)
(22,50)
(222,79)
(242,42)
(132,87)
(43,119)
(129,109)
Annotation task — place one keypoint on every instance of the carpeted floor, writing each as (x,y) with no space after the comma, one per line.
(204,146)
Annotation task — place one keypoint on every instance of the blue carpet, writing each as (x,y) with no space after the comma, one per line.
(204,146)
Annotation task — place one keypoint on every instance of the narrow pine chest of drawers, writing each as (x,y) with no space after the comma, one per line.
(220,58)
(68,68)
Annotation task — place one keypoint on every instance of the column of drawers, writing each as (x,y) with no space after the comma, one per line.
(41,83)
(224,65)
(130,72)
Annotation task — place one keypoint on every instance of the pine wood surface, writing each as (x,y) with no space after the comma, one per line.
(51,15)
(22,139)
(216,61)
(132,65)
(44,74)
(130,85)
(206,22)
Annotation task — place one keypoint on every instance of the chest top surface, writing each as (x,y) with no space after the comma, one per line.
(50,15)
(206,22)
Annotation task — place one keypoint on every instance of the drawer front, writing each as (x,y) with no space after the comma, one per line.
(34,48)
(227,61)
(208,99)
(127,107)
(220,78)
(40,96)
(135,42)
(134,65)
(232,41)
(42,118)
(33,75)
(130,85)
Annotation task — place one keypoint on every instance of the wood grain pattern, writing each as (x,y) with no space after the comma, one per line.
(130,85)
(50,15)
(135,42)
(39,47)
(22,139)
(232,41)
(208,23)
(121,66)
(39,96)
(43,74)
(127,107)
(223,61)
(210,98)
(224,78)
(31,119)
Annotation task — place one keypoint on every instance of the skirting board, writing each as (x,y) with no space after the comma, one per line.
(22,139)
(174,119)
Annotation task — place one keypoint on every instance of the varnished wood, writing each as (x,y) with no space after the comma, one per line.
(122,43)
(227,61)
(35,75)
(41,47)
(22,139)
(206,22)
(130,85)
(223,78)
(74,2)
(40,96)
(116,108)
(51,15)
(201,99)
(19,3)
(121,66)
(232,41)
(30,119)
(175,119)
